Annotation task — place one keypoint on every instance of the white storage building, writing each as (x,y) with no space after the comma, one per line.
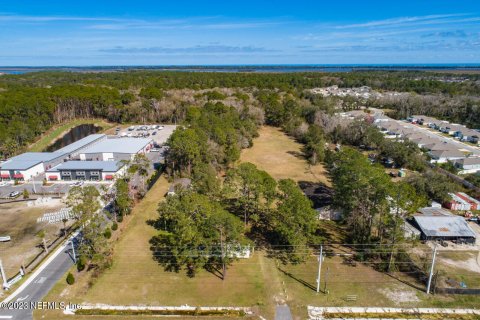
(27,165)
(116,149)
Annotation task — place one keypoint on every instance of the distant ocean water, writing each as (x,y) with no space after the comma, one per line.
(247,68)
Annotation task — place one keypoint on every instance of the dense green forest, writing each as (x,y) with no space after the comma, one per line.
(31,103)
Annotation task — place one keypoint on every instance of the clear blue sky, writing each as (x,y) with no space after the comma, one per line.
(104,32)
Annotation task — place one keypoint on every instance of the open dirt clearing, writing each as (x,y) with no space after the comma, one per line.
(19,221)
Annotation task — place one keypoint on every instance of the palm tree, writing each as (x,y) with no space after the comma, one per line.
(42,236)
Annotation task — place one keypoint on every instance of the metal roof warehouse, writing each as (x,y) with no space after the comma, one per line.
(77,145)
(86,170)
(444,227)
(29,159)
(118,145)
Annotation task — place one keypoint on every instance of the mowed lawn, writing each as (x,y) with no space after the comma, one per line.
(282,157)
(135,278)
(58,131)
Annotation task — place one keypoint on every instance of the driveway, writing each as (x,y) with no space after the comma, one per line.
(282,312)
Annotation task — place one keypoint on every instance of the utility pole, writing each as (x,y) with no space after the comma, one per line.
(431,268)
(73,251)
(390,263)
(4,278)
(224,267)
(320,258)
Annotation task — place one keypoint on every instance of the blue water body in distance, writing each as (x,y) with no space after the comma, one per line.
(246,68)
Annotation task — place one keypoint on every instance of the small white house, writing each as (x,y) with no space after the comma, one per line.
(468,165)
(443,156)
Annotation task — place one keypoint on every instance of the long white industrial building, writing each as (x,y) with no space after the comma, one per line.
(95,148)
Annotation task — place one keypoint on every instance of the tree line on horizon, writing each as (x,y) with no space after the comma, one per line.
(32,103)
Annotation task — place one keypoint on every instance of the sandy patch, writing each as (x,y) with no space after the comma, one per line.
(400,296)
(470,264)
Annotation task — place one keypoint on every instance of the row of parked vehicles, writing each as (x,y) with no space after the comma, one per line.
(145,128)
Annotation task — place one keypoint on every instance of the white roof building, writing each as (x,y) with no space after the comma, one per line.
(116,149)
(442,156)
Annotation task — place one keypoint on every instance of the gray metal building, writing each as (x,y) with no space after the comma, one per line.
(30,164)
(116,149)
(86,170)
(444,227)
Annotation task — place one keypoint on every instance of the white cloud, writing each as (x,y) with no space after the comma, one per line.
(25,18)
(198,49)
(403,21)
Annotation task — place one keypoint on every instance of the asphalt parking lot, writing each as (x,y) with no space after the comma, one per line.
(158,135)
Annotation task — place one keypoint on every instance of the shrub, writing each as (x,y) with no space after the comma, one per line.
(214,95)
(26,195)
(107,233)
(120,218)
(81,263)
(114,226)
(70,278)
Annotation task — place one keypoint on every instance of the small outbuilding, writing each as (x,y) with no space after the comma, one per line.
(182,183)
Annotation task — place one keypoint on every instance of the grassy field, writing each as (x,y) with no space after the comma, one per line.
(260,282)
(135,278)
(370,287)
(282,157)
(20,223)
(373,288)
(58,131)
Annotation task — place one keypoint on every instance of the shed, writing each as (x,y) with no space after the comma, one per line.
(182,183)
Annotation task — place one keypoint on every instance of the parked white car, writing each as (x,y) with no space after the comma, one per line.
(14,194)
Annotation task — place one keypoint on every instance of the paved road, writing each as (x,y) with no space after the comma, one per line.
(36,287)
(437,134)
(377,113)
(282,312)
(59,188)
